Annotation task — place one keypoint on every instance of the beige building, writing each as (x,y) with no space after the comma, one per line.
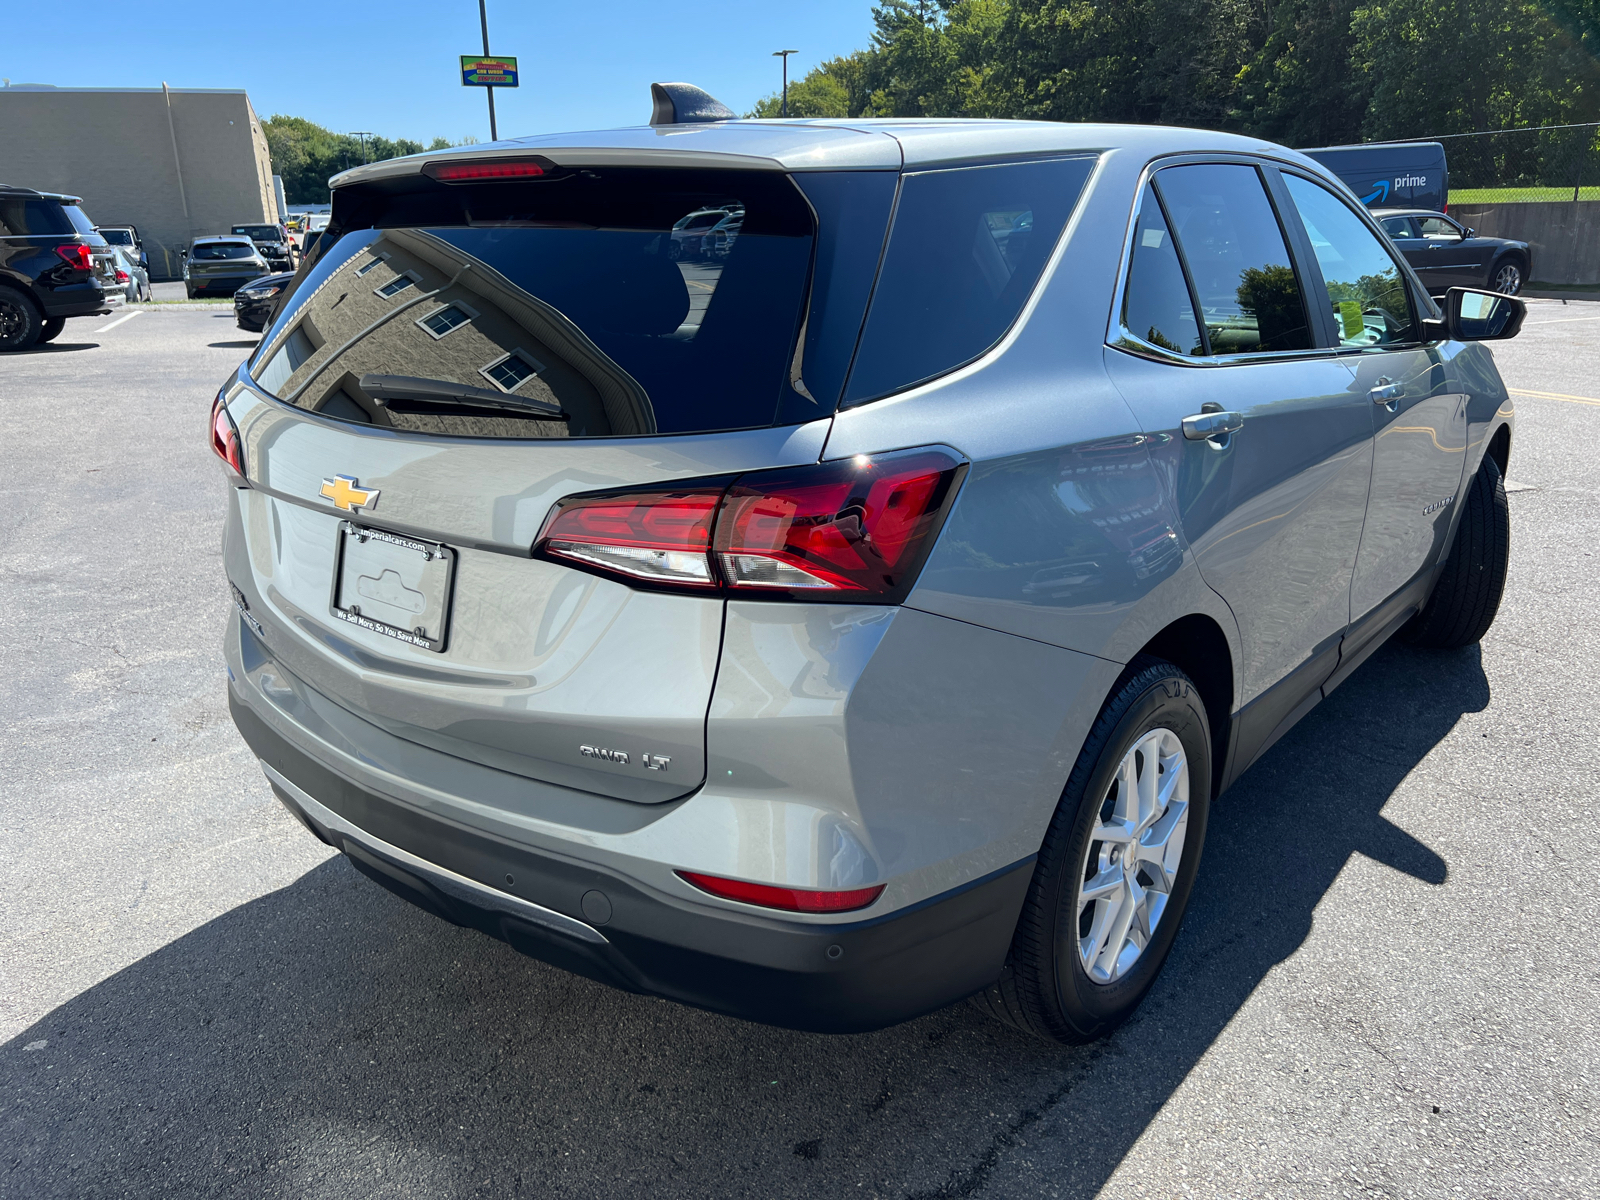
(177,163)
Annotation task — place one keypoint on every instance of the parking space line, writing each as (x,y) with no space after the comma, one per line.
(1559,321)
(125,317)
(1555,396)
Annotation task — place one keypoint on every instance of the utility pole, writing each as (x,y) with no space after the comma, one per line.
(483,16)
(363,134)
(783,54)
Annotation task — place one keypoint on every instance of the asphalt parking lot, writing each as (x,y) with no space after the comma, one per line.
(1387,984)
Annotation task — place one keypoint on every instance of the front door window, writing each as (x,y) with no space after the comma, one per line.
(1367,292)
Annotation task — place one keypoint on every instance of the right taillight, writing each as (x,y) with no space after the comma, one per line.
(856,529)
(860,525)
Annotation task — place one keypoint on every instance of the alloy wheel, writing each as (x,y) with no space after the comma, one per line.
(12,319)
(1132,859)
(1508,279)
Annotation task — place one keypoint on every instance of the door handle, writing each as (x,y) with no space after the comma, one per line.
(1387,393)
(1212,425)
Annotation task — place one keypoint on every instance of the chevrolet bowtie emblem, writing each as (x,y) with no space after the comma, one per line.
(347,494)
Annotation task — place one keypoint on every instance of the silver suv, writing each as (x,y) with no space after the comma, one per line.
(864,619)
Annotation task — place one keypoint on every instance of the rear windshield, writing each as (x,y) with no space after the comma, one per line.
(79,218)
(221,250)
(117,237)
(259,233)
(569,306)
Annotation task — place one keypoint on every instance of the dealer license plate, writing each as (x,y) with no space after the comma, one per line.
(393,585)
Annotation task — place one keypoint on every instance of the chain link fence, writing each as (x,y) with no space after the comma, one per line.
(1546,162)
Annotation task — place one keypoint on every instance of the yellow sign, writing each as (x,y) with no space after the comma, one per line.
(1350,315)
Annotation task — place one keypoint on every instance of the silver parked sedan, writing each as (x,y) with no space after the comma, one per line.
(863,619)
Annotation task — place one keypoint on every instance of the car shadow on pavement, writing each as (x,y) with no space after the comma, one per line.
(328,1039)
(61,347)
(249,345)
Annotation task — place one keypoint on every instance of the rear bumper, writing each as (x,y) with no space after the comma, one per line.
(226,285)
(78,300)
(836,978)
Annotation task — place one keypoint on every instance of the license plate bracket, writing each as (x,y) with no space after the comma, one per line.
(394,585)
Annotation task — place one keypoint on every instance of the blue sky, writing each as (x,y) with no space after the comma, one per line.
(391,67)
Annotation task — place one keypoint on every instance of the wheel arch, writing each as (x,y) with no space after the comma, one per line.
(1499,449)
(1197,646)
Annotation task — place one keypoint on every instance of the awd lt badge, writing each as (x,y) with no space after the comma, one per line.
(347,494)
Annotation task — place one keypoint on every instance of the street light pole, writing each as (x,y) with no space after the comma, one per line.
(483,16)
(783,54)
(363,134)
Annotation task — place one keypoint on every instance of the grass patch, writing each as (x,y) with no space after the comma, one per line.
(1519,195)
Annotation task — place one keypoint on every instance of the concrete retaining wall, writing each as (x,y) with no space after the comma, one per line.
(196,166)
(1563,237)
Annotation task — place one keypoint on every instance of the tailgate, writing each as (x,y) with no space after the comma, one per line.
(546,671)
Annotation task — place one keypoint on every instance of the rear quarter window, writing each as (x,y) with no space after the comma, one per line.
(966,249)
(22,217)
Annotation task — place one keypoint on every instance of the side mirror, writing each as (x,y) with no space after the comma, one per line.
(1471,232)
(1473,315)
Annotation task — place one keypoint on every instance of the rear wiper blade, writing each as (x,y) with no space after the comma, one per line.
(407,393)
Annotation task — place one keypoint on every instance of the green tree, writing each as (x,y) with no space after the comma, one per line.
(307,155)
(1457,66)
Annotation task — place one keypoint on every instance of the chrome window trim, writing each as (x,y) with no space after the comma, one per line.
(1120,337)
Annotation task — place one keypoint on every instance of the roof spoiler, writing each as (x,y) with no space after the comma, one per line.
(685,104)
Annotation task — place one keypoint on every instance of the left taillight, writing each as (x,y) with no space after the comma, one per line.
(856,530)
(225,438)
(659,536)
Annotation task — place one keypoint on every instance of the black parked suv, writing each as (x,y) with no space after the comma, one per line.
(53,265)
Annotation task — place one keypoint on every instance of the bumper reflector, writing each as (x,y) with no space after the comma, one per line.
(788,899)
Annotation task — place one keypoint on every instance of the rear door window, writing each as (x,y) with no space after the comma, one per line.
(966,249)
(1250,298)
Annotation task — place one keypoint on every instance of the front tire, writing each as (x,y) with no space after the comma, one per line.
(1117,866)
(1467,594)
(1508,276)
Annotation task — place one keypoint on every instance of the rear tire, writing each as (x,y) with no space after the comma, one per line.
(20,323)
(51,328)
(1467,594)
(1078,966)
